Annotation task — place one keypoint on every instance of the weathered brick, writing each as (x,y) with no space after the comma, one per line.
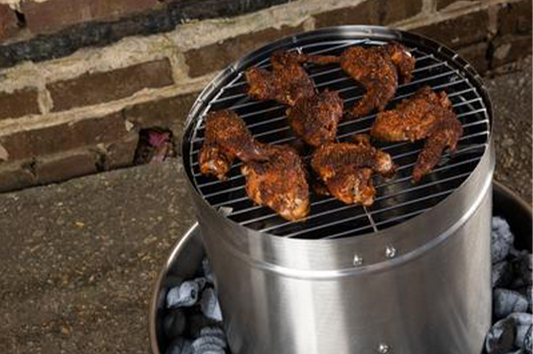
(15,176)
(121,153)
(510,48)
(515,18)
(111,85)
(365,13)
(53,15)
(445,3)
(459,31)
(18,103)
(63,166)
(8,22)
(217,56)
(398,10)
(63,137)
(167,113)
(476,55)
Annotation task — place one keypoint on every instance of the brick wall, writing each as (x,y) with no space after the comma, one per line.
(77,87)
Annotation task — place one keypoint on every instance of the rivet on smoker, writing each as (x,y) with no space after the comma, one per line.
(384,348)
(357,260)
(390,252)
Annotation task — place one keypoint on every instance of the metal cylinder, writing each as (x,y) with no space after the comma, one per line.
(421,286)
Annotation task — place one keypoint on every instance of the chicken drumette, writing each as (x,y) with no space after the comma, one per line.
(347,168)
(279,183)
(286,83)
(376,68)
(315,118)
(227,137)
(426,115)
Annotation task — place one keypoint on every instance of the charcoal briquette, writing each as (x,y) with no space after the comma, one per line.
(197,322)
(507,301)
(180,346)
(502,274)
(210,306)
(174,323)
(501,337)
(208,273)
(522,268)
(186,294)
(501,239)
(213,331)
(207,343)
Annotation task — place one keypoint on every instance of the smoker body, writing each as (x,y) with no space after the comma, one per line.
(307,296)
(417,281)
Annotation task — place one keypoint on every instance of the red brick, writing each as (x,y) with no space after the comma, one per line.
(63,166)
(68,136)
(459,31)
(476,55)
(507,49)
(169,113)
(53,15)
(217,56)
(8,22)
(107,86)
(15,176)
(515,18)
(121,153)
(444,3)
(365,13)
(19,103)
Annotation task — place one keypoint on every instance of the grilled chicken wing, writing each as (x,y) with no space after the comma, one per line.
(279,183)
(426,115)
(286,83)
(347,169)
(376,68)
(315,118)
(227,137)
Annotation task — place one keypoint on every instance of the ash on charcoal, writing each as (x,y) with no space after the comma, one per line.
(180,346)
(210,306)
(208,272)
(502,274)
(175,323)
(186,294)
(522,267)
(511,333)
(501,239)
(507,301)
(197,322)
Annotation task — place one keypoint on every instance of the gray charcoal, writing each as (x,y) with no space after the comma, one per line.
(507,301)
(208,273)
(180,346)
(210,306)
(524,337)
(522,267)
(213,331)
(197,322)
(174,323)
(501,239)
(529,297)
(501,337)
(502,274)
(186,294)
(208,344)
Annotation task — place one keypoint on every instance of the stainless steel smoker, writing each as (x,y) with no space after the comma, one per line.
(410,274)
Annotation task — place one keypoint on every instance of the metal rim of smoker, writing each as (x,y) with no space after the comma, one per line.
(506,203)
(375,247)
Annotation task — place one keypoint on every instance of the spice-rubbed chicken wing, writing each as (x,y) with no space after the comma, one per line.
(279,183)
(426,115)
(376,68)
(315,118)
(347,169)
(227,137)
(286,83)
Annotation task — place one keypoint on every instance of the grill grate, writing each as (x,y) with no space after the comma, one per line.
(397,199)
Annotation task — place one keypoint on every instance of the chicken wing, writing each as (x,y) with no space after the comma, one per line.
(315,118)
(347,169)
(426,115)
(286,83)
(376,68)
(227,137)
(279,183)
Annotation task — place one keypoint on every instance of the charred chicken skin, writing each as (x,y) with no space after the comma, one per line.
(227,137)
(347,168)
(279,183)
(286,83)
(315,118)
(426,115)
(376,68)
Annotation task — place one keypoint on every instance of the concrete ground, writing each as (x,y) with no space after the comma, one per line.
(78,260)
